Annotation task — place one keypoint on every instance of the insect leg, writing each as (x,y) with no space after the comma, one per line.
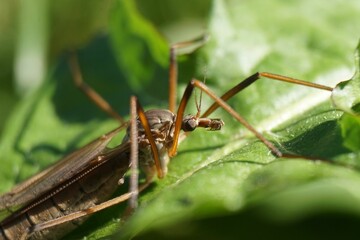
(173,68)
(253,78)
(220,102)
(173,78)
(89,91)
(82,213)
(137,110)
(146,126)
(76,215)
(134,154)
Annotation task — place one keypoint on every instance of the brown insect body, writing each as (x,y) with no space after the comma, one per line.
(95,183)
(79,184)
(90,188)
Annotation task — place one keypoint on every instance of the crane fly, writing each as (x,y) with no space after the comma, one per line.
(58,199)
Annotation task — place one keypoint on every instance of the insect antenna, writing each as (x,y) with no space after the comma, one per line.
(198,103)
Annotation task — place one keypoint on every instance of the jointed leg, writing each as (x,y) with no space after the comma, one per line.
(90,92)
(132,195)
(76,215)
(134,154)
(250,80)
(82,213)
(220,102)
(173,71)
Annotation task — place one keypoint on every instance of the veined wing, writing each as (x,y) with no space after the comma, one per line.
(57,173)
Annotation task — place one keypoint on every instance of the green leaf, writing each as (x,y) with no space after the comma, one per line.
(350,129)
(346,95)
(135,38)
(221,184)
(231,175)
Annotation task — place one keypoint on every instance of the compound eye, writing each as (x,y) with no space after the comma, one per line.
(189,124)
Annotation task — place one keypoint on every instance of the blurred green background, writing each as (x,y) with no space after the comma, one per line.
(36,34)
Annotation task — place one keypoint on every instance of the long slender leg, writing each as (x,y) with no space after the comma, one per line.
(253,78)
(173,69)
(188,91)
(137,110)
(78,214)
(173,78)
(90,92)
(134,154)
(132,195)
(154,149)
(221,102)
(82,213)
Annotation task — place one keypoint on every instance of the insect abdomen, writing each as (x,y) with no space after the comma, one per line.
(88,191)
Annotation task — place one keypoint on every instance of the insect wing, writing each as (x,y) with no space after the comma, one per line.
(57,173)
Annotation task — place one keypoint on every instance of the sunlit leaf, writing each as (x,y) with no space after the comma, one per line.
(346,95)
(221,184)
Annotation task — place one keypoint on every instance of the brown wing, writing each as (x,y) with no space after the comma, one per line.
(57,173)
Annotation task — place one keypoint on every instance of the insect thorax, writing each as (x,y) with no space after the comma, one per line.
(161,124)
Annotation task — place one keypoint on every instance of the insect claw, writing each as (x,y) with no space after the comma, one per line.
(216,124)
(121,181)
